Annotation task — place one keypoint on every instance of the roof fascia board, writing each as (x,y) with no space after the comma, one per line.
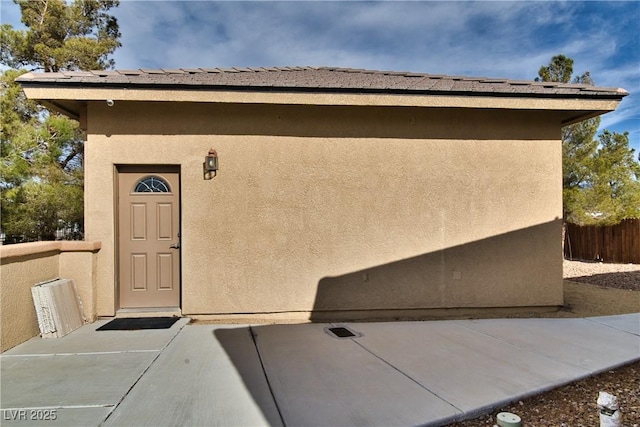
(597,93)
(358,99)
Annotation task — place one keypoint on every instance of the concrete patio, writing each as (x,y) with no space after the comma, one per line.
(390,374)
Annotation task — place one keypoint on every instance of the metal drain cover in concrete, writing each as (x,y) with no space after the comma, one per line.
(342,332)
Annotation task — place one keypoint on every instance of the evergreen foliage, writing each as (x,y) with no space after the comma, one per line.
(61,36)
(41,165)
(601,177)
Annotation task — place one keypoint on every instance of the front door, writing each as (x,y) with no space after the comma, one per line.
(149,236)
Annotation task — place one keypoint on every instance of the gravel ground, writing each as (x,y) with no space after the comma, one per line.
(574,405)
(620,276)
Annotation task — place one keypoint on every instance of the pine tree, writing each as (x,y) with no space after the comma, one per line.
(61,36)
(41,151)
(601,178)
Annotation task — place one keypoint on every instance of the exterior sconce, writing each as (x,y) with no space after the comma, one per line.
(210,165)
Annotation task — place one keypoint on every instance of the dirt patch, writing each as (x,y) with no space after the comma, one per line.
(599,289)
(586,300)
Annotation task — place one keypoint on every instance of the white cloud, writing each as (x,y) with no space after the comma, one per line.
(509,39)
(420,35)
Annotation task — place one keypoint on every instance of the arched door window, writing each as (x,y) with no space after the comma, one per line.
(152,184)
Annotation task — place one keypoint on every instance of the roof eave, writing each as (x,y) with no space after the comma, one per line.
(71,99)
(602,94)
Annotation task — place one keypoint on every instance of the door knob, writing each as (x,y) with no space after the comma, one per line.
(175,246)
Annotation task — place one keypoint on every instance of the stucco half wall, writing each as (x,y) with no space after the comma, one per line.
(336,211)
(26,264)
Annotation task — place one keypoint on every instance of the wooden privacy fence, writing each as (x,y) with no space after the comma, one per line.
(618,243)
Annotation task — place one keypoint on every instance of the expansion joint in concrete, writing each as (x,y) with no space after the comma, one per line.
(266,377)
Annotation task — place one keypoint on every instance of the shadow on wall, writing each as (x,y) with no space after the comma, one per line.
(522,268)
(324,121)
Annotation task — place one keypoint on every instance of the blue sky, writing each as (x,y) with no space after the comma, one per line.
(509,39)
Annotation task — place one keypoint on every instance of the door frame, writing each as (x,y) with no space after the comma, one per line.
(150,169)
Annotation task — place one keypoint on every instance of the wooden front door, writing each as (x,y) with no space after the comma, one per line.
(149,236)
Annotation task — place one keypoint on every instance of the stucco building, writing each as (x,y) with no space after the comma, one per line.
(339,194)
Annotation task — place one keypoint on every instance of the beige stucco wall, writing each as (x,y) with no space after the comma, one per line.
(318,209)
(81,266)
(23,265)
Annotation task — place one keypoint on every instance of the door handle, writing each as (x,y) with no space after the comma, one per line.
(175,246)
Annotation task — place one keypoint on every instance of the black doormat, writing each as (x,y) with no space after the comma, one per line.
(134,323)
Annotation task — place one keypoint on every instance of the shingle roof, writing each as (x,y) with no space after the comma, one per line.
(317,79)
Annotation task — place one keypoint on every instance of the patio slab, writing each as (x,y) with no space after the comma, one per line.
(627,323)
(93,382)
(196,381)
(320,380)
(88,340)
(582,343)
(71,380)
(77,379)
(470,370)
(394,373)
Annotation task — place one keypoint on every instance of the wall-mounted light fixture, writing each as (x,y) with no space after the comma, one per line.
(210,165)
